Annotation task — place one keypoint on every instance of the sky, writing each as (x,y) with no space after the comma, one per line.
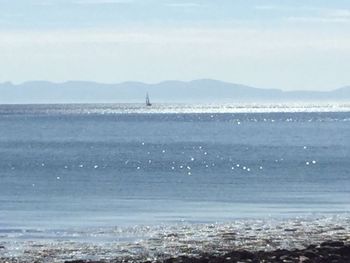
(284,44)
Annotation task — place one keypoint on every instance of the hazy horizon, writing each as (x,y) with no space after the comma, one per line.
(285,45)
(196,91)
(165,81)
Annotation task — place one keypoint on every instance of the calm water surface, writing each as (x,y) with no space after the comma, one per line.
(69,166)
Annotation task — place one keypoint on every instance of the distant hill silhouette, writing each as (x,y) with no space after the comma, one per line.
(196,91)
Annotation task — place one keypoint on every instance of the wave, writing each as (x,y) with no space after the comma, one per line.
(163,241)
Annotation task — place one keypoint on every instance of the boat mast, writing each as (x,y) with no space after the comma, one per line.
(148,103)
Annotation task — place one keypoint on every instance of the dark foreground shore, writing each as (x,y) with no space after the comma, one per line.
(293,240)
(326,252)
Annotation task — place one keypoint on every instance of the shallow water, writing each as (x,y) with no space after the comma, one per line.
(67,170)
(159,242)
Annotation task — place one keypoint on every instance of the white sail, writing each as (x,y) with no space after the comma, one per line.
(148,103)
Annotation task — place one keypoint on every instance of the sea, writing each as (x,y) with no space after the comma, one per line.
(127,175)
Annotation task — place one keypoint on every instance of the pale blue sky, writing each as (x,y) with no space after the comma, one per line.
(286,44)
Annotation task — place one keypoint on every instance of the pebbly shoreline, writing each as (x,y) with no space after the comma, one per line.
(300,240)
(329,251)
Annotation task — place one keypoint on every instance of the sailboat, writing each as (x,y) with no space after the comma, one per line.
(148,103)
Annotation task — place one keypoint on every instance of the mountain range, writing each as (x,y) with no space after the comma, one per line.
(196,91)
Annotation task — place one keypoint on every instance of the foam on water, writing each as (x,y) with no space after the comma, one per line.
(162,241)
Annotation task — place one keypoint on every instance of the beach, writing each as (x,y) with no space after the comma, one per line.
(174,131)
(313,240)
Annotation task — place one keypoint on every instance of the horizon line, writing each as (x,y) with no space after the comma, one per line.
(169,80)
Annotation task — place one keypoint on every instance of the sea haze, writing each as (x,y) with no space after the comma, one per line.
(196,91)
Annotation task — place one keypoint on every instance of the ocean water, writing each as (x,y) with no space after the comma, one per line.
(70,170)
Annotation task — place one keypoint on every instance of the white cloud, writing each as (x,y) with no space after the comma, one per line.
(325,15)
(240,41)
(313,14)
(316,19)
(267,58)
(339,13)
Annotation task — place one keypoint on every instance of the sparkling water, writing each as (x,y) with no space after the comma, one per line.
(72,172)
